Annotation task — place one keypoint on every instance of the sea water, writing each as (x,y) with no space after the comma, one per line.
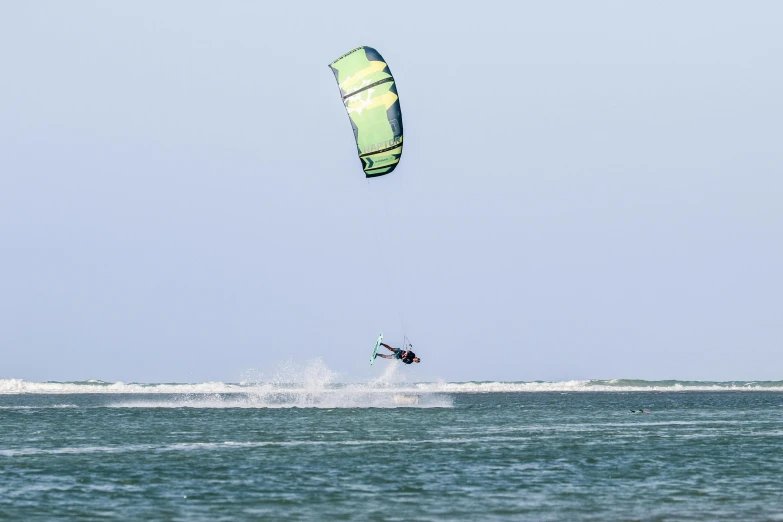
(319,450)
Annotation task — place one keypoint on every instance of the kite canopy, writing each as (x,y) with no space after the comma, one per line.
(370,97)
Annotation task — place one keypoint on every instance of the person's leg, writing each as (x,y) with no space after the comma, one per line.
(385,356)
(387,347)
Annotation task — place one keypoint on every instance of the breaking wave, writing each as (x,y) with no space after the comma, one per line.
(315,385)
(19,386)
(312,386)
(614,385)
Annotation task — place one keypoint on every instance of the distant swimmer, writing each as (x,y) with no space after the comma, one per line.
(406,356)
(640,411)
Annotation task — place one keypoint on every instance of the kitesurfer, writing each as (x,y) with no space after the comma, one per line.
(406,356)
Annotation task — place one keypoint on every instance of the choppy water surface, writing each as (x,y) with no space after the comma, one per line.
(406,452)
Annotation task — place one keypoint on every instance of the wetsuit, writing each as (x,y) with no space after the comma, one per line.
(397,354)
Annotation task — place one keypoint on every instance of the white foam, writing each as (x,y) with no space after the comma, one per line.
(313,385)
(232,445)
(19,386)
(48,406)
(316,385)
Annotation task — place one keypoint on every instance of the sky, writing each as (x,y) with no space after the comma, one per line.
(588,191)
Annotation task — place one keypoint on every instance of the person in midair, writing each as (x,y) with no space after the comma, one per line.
(406,356)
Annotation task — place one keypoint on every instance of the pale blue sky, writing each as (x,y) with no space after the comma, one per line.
(588,190)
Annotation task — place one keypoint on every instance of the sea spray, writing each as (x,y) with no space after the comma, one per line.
(390,377)
(312,385)
(316,385)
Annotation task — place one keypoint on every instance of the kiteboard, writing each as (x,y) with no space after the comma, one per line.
(375,350)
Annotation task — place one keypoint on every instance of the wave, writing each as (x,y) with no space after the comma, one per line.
(314,386)
(233,445)
(303,388)
(20,386)
(595,385)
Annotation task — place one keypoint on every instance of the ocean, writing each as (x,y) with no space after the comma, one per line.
(387,450)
